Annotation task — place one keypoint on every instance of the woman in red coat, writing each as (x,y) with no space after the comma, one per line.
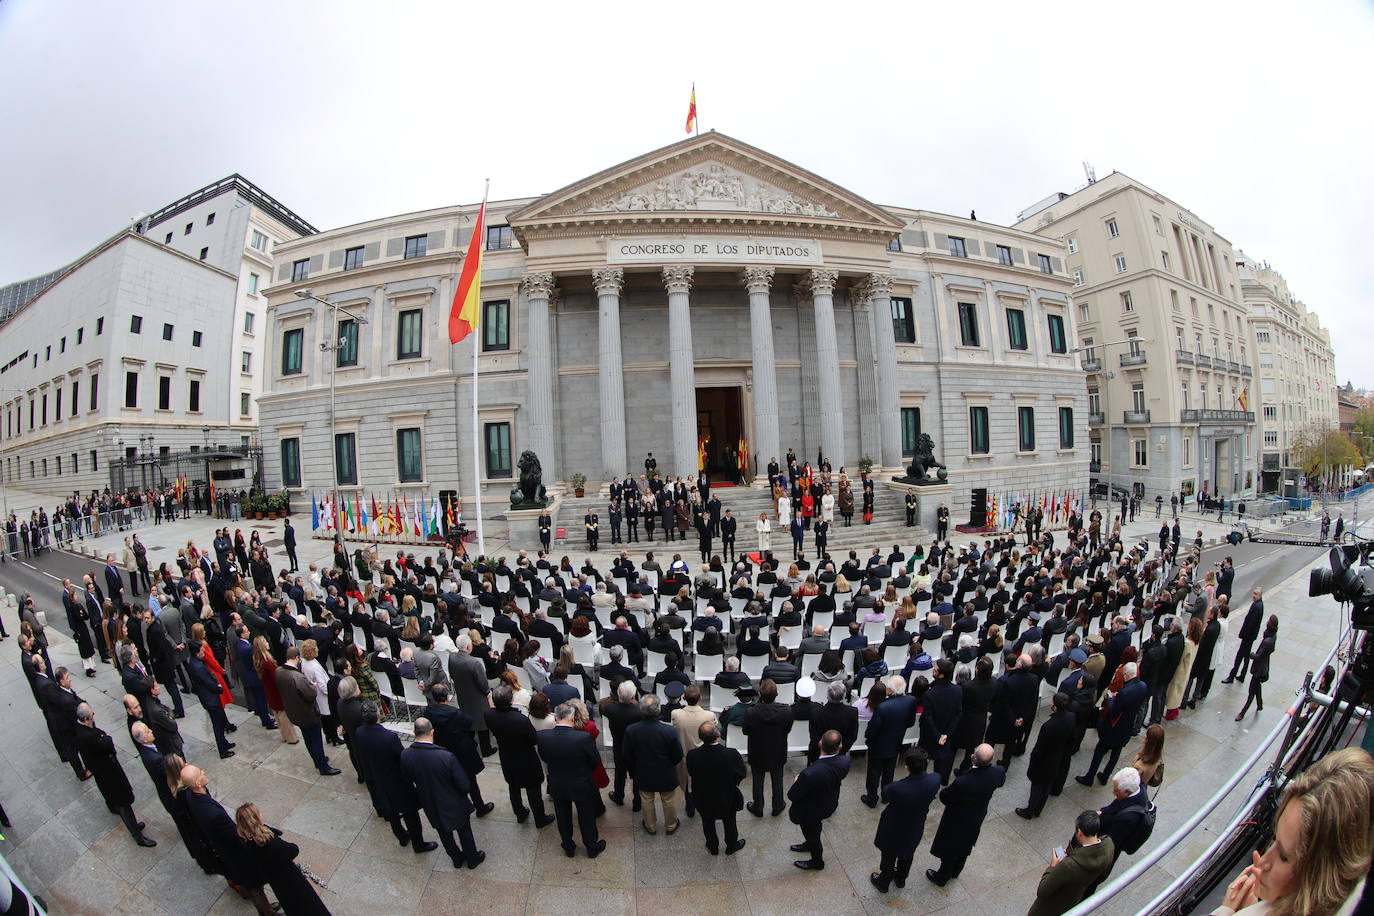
(583,722)
(212,663)
(266,667)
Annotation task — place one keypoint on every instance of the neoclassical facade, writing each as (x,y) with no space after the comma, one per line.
(704,291)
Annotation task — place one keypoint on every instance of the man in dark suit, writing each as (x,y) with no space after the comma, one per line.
(61,703)
(652,753)
(1048,765)
(153,761)
(221,835)
(114,583)
(571,757)
(620,712)
(443,789)
(453,731)
(289,541)
(136,679)
(1249,632)
(885,733)
(716,772)
(942,523)
(159,719)
(248,676)
(377,752)
(966,805)
(903,821)
(1012,713)
(815,794)
(940,716)
(98,751)
(545,523)
(164,658)
(515,741)
(834,715)
(1116,725)
(767,725)
(206,688)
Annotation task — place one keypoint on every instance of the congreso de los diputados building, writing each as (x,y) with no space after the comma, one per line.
(700,297)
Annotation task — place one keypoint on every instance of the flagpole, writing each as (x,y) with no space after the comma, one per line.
(696,122)
(476,428)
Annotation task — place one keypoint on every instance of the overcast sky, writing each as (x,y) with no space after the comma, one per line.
(1254,115)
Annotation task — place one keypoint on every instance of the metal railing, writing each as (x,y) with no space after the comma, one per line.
(1097,419)
(1216,416)
(67,534)
(1183,357)
(1132,359)
(1135,416)
(1092,365)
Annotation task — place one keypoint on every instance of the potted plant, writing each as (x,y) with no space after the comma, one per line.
(253,506)
(578,481)
(865,465)
(279,504)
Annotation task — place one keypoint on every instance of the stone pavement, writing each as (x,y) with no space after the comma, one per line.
(84,862)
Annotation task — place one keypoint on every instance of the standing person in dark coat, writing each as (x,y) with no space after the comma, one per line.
(442,787)
(620,714)
(298,702)
(155,762)
(164,657)
(453,730)
(941,711)
(378,753)
(815,794)
(1014,702)
(903,821)
(1048,765)
(1116,724)
(515,741)
(885,733)
(973,719)
(966,806)
(274,859)
(1259,671)
(835,714)
(98,752)
(767,725)
(206,688)
(468,678)
(74,603)
(289,542)
(1249,632)
(571,757)
(652,753)
(217,828)
(716,772)
(60,703)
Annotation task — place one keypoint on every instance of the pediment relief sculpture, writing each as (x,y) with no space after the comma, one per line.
(712,187)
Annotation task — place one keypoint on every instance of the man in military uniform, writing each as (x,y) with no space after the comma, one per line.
(592,523)
(910,508)
(616,515)
(942,522)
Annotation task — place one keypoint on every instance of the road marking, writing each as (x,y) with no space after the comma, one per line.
(44,572)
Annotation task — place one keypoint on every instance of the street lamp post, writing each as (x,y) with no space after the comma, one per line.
(332,345)
(1108,374)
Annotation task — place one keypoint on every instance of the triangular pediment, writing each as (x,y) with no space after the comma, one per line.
(712,173)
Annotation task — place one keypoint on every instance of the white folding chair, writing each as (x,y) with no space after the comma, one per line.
(523,603)
(847,661)
(502,583)
(787,693)
(799,738)
(413,696)
(520,675)
(895,656)
(810,664)
(790,637)
(737,607)
(875,630)
(546,648)
(837,636)
(708,666)
(584,649)
(865,685)
(753,666)
(654,662)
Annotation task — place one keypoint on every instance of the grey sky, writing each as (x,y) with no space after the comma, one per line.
(1254,115)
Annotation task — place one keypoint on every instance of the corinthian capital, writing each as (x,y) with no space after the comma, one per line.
(879,285)
(823,281)
(608,280)
(537,285)
(757,279)
(678,278)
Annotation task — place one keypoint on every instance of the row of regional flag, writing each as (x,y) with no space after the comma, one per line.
(1005,509)
(421,517)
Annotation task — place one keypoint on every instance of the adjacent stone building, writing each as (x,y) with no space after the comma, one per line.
(705,291)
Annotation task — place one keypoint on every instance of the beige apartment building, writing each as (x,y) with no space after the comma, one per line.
(1296,370)
(1164,340)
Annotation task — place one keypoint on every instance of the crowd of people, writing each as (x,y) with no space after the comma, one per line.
(935,660)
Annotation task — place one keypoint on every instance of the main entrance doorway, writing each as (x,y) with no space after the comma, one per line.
(720,422)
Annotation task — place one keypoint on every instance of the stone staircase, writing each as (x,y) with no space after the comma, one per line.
(888,526)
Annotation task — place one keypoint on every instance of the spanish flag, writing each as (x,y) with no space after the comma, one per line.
(692,110)
(462,318)
(1244,399)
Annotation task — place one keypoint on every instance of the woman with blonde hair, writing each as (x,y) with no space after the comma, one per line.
(314,673)
(190,834)
(1320,853)
(582,721)
(765,532)
(266,667)
(519,694)
(1173,700)
(274,859)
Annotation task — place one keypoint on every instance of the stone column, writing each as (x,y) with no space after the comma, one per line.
(608,282)
(538,288)
(766,444)
(828,365)
(682,375)
(879,289)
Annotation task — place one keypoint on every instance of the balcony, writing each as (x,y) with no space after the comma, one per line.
(1216,416)
(1204,362)
(1097,419)
(1135,417)
(1183,357)
(1092,365)
(1246,371)
(1132,359)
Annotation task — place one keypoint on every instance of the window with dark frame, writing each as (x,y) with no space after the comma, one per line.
(1025,429)
(347,354)
(300,270)
(210,220)
(292,347)
(196,338)
(957,247)
(978,431)
(911,429)
(894,244)
(417,246)
(99,326)
(193,396)
(409,334)
(1059,343)
(500,238)
(903,320)
(1004,255)
(95,390)
(346,458)
(353,258)
(1016,329)
(497,437)
(1066,427)
(166,331)
(135,324)
(164,392)
(131,389)
(496,325)
(968,324)
(1046,265)
(291,462)
(409,464)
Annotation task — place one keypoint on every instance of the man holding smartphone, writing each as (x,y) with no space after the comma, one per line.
(1071,872)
